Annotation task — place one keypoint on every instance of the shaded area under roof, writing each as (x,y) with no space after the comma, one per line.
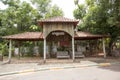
(58,19)
(37,36)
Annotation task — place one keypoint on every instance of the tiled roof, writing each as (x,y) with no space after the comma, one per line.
(31,36)
(86,35)
(26,36)
(59,19)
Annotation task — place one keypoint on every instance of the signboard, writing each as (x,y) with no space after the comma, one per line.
(58,33)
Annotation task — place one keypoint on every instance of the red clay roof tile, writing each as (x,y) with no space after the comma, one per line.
(26,36)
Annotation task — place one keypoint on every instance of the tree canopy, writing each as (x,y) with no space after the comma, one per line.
(100,16)
(54,11)
(21,16)
(46,10)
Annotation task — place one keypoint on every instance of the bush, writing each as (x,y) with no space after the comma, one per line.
(3,49)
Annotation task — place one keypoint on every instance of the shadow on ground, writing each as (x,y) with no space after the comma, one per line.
(114,67)
(115,63)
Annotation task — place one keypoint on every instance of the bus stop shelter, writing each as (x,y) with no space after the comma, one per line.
(56,28)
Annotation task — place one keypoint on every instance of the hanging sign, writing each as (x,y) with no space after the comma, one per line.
(58,33)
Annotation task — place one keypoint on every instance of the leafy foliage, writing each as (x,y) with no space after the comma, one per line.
(46,10)
(80,12)
(101,17)
(43,6)
(54,11)
(20,16)
(3,48)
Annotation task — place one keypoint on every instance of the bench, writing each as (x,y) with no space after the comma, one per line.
(62,54)
(79,55)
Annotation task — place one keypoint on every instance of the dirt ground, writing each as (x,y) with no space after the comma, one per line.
(16,60)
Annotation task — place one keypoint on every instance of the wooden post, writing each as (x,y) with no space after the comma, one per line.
(44,50)
(10,51)
(19,50)
(73,49)
(104,48)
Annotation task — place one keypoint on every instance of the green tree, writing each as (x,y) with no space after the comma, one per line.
(42,6)
(26,16)
(18,17)
(46,10)
(80,12)
(54,11)
(101,17)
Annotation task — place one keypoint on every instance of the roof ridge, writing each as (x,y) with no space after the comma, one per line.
(59,18)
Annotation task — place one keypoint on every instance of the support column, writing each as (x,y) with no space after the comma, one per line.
(44,55)
(104,51)
(10,51)
(73,49)
(19,52)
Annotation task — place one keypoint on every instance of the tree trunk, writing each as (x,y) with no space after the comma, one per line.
(1,57)
(110,47)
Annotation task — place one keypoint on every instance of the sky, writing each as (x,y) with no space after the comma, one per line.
(67,6)
(2,6)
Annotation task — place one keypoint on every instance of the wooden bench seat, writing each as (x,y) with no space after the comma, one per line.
(62,54)
(79,55)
